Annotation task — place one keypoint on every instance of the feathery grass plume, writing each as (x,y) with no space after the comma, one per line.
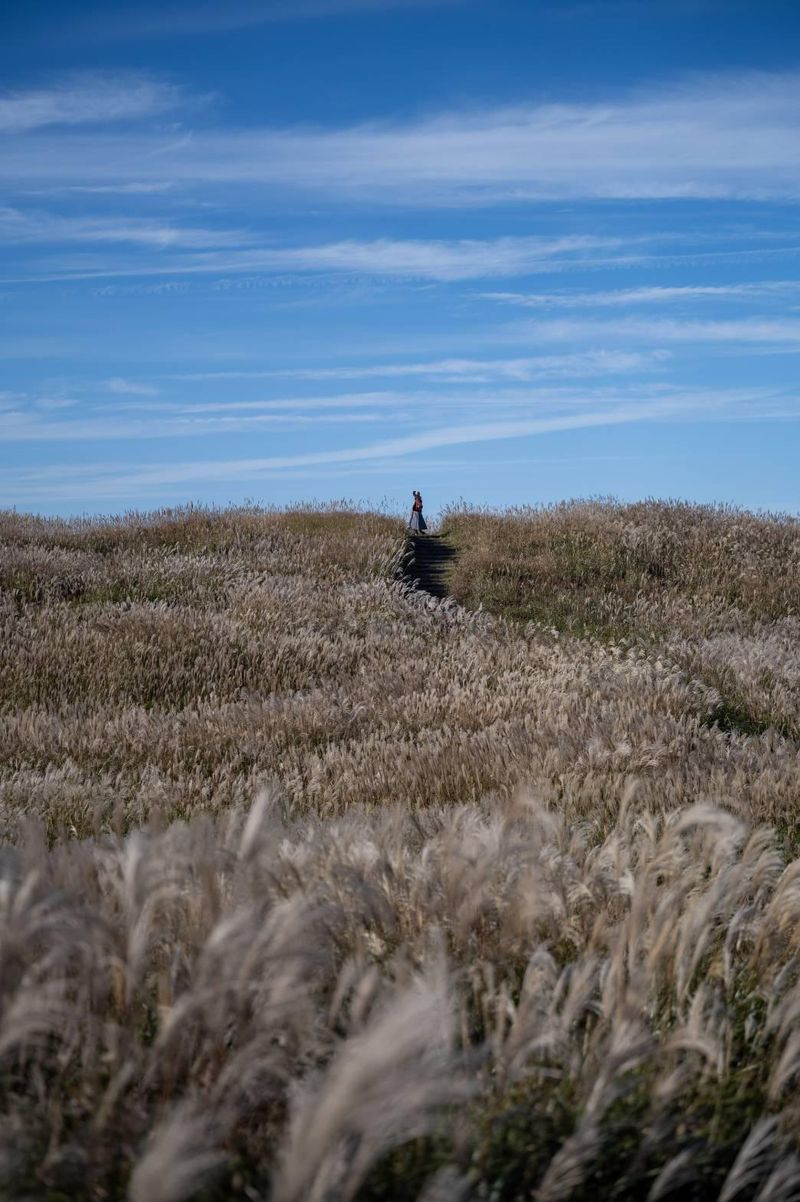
(783,1183)
(180,1158)
(677,1174)
(446,1186)
(383,1087)
(571,1164)
(754,1161)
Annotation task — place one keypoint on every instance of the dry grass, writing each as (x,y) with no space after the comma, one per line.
(716,591)
(313,888)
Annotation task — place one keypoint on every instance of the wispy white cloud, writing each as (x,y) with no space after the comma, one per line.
(28,425)
(122,387)
(234,256)
(131,189)
(427,407)
(139,412)
(19,226)
(58,403)
(114,481)
(625,297)
(770,331)
(310,404)
(385,258)
(465,258)
(580,364)
(85,99)
(721,137)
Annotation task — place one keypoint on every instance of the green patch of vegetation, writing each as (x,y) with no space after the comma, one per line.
(519,1132)
(402,1175)
(735,718)
(571,563)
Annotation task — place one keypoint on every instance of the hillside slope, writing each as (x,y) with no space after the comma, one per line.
(716,591)
(300,864)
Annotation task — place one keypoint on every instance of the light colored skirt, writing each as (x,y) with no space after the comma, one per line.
(416,522)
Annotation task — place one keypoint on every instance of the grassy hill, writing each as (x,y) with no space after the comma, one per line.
(716,590)
(312,887)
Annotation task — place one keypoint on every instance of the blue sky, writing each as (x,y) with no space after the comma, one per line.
(498,250)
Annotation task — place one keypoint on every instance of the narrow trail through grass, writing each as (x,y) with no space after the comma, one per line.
(427,561)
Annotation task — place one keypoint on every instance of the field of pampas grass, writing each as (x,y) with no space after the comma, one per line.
(316,889)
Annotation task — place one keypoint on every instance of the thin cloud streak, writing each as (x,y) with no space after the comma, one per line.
(723,137)
(144,417)
(348,401)
(123,387)
(623,297)
(18,426)
(588,364)
(119,481)
(113,481)
(353,262)
(412,259)
(132,189)
(582,364)
(18,226)
(508,403)
(86,98)
(781,332)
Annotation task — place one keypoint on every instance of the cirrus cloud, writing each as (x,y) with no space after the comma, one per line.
(87,98)
(721,137)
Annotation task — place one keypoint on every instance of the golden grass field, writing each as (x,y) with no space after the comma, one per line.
(315,889)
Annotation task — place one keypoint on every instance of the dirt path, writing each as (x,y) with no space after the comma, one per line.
(426,562)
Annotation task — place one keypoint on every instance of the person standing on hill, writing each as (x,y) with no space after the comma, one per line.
(416,522)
